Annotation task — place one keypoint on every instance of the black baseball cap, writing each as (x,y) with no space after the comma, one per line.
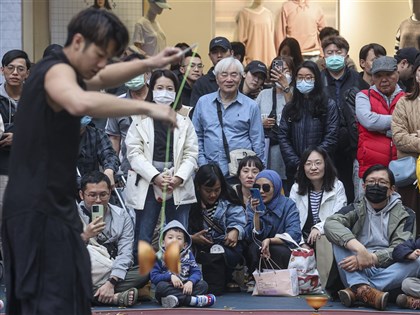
(257,66)
(220,42)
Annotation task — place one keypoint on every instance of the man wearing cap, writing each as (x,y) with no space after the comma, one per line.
(148,34)
(219,48)
(405,60)
(374,109)
(253,79)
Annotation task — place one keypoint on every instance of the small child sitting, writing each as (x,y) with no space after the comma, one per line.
(408,251)
(186,288)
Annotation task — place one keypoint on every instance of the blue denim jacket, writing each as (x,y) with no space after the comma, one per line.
(283,219)
(241,123)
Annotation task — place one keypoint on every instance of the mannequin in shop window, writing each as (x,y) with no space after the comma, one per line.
(302,20)
(408,34)
(148,35)
(255,28)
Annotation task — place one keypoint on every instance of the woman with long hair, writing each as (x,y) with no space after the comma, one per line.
(217,218)
(152,170)
(290,47)
(311,118)
(101,4)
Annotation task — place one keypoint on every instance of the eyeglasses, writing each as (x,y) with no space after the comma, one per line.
(316,164)
(265,187)
(307,78)
(103,195)
(12,68)
(233,75)
(380,182)
(195,65)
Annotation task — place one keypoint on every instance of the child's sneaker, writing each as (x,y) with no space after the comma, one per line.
(205,300)
(170,301)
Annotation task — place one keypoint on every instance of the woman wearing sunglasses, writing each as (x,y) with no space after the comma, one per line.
(279,216)
(317,194)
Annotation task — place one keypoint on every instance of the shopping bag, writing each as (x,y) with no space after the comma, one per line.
(304,262)
(276,282)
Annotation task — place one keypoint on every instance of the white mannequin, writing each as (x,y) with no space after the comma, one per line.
(256,4)
(148,35)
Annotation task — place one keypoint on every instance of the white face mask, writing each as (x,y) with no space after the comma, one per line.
(164,96)
(288,78)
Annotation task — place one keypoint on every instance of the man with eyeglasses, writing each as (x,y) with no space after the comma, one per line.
(195,72)
(116,285)
(15,69)
(364,235)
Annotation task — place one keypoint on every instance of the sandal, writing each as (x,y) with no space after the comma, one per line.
(124,297)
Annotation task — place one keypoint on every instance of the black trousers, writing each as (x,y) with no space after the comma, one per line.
(163,289)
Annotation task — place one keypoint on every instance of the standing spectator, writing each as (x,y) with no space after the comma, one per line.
(253,79)
(290,47)
(341,84)
(195,72)
(374,109)
(15,66)
(240,116)
(311,118)
(405,61)
(367,54)
(238,51)
(405,127)
(281,74)
(150,171)
(364,235)
(219,48)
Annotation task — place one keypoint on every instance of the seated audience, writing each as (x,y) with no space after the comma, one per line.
(248,169)
(262,229)
(364,235)
(185,288)
(317,194)
(217,218)
(118,285)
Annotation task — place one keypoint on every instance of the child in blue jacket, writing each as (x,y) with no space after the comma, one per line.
(186,288)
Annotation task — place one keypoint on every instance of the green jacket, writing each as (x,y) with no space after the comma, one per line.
(347,224)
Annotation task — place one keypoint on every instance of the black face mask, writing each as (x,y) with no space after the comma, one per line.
(376,193)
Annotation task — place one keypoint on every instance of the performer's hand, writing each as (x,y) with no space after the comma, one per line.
(164,113)
(7,140)
(169,55)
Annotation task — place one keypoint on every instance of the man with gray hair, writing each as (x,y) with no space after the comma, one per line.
(374,109)
(227,120)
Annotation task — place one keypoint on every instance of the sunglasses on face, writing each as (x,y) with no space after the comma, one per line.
(265,187)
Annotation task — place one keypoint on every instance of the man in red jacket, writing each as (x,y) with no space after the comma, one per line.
(374,109)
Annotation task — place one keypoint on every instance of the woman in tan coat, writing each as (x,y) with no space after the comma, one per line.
(406,137)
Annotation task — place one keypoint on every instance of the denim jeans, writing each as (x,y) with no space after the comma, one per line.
(147,218)
(383,279)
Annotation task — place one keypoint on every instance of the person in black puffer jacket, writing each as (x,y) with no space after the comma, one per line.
(311,118)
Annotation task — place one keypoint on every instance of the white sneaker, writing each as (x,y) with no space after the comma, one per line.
(170,301)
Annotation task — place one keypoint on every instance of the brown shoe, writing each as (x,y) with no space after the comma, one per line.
(347,297)
(406,301)
(372,297)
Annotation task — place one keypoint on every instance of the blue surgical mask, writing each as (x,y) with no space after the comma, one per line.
(85,120)
(136,83)
(335,63)
(305,87)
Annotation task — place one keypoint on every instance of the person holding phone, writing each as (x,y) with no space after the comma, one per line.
(262,229)
(111,226)
(271,102)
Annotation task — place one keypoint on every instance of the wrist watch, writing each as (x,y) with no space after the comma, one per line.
(286,90)
(113,281)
